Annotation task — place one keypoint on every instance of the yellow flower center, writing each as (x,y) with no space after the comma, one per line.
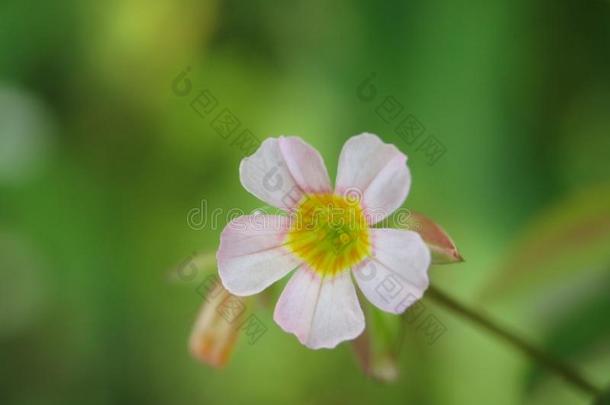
(329,232)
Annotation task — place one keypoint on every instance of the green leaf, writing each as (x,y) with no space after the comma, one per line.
(581,331)
(603,399)
(567,240)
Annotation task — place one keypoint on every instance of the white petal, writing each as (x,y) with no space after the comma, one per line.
(321,311)
(305,164)
(397,274)
(282,170)
(251,256)
(377,172)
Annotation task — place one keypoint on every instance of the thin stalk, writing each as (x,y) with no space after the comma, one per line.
(553,364)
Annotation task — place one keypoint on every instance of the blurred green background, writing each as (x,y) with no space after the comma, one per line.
(101,161)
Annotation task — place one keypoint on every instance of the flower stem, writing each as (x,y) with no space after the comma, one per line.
(560,368)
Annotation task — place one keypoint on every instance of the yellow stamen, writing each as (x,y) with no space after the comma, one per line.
(329,232)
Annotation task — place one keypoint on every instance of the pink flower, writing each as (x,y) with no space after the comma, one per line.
(327,237)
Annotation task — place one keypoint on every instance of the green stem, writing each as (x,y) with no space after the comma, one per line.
(562,369)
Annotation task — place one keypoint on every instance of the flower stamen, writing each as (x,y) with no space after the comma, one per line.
(329,232)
